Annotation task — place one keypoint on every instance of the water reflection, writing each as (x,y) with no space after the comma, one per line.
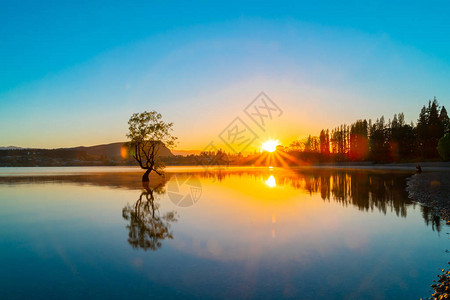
(364,189)
(322,234)
(430,217)
(270,182)
(147,228)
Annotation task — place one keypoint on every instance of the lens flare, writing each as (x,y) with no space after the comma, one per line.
(124,152)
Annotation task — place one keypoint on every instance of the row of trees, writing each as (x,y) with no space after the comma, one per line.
(380,140)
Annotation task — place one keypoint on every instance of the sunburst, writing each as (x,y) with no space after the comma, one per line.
(270,145)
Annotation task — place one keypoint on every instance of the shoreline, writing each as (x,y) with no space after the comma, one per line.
(407,166)
(432,189)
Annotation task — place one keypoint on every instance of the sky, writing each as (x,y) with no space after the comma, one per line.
(73,72)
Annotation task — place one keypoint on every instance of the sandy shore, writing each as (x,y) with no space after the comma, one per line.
(433,189)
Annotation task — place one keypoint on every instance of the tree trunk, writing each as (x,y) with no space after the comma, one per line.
(145,176)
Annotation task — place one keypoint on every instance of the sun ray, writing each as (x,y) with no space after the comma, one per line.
(290,158)
(260,159)
(280,159)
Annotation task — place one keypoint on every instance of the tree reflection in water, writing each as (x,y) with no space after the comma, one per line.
(147,228)
(367,190)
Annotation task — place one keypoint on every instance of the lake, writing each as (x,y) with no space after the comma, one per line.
(226,233)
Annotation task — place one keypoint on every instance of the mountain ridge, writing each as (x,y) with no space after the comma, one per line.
(108,150)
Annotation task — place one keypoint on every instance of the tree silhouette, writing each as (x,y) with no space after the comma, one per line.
(147,131)
(445,121)
(324,142)
(383,141)
(359,144)
(444,147)
(379,145)
(435,129)
(400,138)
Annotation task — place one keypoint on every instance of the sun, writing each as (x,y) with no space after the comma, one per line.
(270,145)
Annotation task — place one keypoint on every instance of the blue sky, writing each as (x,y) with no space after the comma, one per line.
(71,73)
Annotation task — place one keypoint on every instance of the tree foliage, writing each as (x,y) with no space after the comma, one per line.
(383,141)
(444,147)
(148,132)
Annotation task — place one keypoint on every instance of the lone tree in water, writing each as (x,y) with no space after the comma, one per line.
(147,133)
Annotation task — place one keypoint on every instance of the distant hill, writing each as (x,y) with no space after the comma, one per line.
(99,155)
(10,148)
(113,150)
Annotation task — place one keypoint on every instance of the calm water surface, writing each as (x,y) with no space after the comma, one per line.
(97,233)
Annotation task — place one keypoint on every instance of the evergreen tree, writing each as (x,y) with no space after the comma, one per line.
(324,142)
(359,140)
(422,131)
(379,148)
(401,119)
(435,130)
(445,121)
(381,141)
(401,138)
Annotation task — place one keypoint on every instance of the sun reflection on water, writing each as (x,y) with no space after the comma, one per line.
(270,182)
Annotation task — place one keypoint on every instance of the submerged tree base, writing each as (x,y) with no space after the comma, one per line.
(145,177)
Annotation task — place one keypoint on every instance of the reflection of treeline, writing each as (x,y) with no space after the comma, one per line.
(381,140)
(364,190)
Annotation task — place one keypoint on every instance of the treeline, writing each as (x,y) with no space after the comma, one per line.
(205,158)
(57,157)
(382,141)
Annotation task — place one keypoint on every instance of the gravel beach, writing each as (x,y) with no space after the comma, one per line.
(433,189)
